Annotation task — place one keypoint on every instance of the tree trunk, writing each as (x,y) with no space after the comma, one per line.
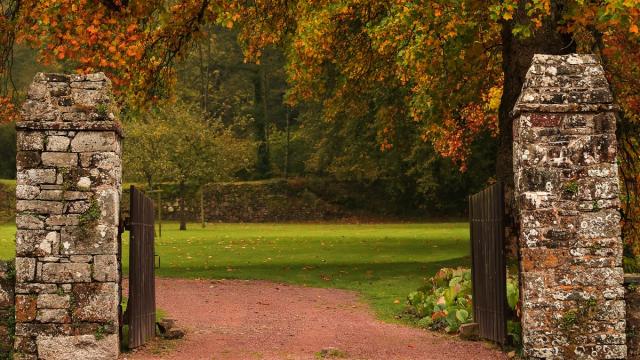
(286,149)
(516,59)
(202,218)
(181,204)
(206,76)
(262,162)
(265,105)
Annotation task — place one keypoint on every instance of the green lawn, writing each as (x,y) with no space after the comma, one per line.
(384,262)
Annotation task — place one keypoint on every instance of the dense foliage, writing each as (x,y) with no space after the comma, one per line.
(446,301)
(387,85)
(175,144)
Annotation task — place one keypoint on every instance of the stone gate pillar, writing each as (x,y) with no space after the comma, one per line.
(68,193)
(566,181)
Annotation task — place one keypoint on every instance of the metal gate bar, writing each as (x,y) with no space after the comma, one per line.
(141,306)
(486,217)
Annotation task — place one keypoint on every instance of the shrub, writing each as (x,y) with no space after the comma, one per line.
(631,265)
(445,302)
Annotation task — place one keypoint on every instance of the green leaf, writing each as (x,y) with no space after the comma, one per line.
(513,295)
(462,315)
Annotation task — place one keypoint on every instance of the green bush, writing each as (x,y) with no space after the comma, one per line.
(631,265)
(446,301)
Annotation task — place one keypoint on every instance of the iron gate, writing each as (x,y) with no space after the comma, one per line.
(141,305)
(486,218)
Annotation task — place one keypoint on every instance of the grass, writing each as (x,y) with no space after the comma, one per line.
(383,262)
(8,182)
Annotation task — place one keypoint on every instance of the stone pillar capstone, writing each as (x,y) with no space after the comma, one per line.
(67,200)
(566,183)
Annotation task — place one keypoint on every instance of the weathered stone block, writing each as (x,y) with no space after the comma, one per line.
(27,160)
(91,141)
(95,302)
(66,272)
(88,97)
(29,222)
(59,159)
(35,329)
(25,348)
(54,195)
(25,269)
(105,268)
(27,192)
(95,241)
(86,347)
(37,242)
(76,195)
(63,220)
(84,183)
(597,188)
(592,150)
(77,207)
(58,143)
(56,316)
(36,176)
(35,288)
(39,207)
(108,199)
(30,141)
(81,258)
(53,301)
(26,308)
(590,276)
(536,200)
(534,259)
(601,224)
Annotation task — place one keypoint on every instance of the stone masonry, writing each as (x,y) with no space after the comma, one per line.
(566,183)
(67,213)
(7,285)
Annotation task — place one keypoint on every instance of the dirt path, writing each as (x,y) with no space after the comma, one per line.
(264,320)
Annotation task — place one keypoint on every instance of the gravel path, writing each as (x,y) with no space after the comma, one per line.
(264,320)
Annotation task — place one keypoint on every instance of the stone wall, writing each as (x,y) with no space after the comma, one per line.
(251,201)
(567,193)
(7,318)
(68,193)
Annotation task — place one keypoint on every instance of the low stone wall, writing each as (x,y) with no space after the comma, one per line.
(274,201)
(7,313)
(294,199)
(259,201)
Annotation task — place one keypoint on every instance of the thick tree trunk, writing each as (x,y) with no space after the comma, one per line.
(286,152)
(516,59)
(261,131)
(202,218)
(181,204)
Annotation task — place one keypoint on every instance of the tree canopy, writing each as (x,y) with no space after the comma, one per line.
(409,73)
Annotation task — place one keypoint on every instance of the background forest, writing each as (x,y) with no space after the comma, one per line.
(408,99)
(228,120)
